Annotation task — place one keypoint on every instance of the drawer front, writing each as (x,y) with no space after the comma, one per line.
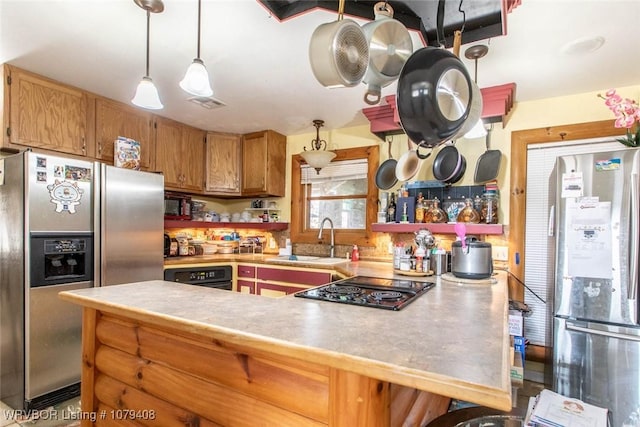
(246,271)
(314,278)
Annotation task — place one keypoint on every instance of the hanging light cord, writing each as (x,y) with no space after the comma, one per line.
(148,21)
(199,8)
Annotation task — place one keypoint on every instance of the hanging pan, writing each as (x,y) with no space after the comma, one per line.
(339,52)
(389,47)
(386,174)
(409,164)
(488,164)
(449,165)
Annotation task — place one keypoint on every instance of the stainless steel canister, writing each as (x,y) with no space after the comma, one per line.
(438,263)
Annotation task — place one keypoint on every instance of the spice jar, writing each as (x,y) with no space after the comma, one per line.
(489,212)
(468,214)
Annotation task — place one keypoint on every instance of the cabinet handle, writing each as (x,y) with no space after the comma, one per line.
(100,148)
(84,147)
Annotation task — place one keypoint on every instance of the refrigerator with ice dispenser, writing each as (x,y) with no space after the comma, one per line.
(65,224)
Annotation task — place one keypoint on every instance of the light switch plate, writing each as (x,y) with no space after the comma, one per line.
(500,253)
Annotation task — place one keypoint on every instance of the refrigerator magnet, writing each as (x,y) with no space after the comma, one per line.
(572,184)
(608,165)
(65,195)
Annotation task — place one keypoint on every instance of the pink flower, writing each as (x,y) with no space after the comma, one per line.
(626,111)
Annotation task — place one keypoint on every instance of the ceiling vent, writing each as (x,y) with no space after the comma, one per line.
(207,102)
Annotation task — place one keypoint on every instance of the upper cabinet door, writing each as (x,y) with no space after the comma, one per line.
(223,163)
(169,151)
(45,114)
(192,160)
(263,164)
(180,155)
(114,119)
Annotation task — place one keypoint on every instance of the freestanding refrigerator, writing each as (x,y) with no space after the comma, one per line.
(65,224)
(596,330)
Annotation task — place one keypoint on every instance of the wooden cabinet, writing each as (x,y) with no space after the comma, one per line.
(246,279)
(223,155)
(277,282)
(115,119)
(180,155)
(43,113)
(263,164)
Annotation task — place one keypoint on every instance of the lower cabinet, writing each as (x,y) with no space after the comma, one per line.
(246,279)
(278,281)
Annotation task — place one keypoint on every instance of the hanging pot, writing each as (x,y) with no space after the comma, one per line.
(386,174)
(434,96)
(488,164)
(390,46)
(449,165)
(339,52)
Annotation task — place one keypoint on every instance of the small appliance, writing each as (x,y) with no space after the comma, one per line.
(177,206)
(472,260)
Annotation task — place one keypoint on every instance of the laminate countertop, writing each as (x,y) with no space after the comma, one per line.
(452,341)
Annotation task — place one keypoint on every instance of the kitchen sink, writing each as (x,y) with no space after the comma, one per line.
(307,259)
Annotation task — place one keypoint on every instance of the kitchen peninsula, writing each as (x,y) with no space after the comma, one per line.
(187,355)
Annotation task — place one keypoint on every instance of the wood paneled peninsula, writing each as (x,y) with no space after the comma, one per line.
(172,354)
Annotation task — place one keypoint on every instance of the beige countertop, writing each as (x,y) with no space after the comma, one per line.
(453,340)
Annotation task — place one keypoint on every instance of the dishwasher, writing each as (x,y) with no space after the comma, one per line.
(220,277)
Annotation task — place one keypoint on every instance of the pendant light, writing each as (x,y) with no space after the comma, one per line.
(475,52)
(146,94)
(318,157)
(196,79)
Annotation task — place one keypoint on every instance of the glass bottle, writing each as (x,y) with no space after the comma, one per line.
(468,214)
(419,209)
(489,212)
(436,214)
(391,209)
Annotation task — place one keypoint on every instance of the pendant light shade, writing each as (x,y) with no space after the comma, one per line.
(317,157)
(196,79)
(477,131)
(146,94)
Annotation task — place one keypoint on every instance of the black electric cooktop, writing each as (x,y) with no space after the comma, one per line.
(389,294)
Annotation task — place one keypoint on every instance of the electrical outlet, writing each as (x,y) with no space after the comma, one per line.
(500,253)
(390,248)
(272,243)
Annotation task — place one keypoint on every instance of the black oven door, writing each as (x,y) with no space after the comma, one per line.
(60,258)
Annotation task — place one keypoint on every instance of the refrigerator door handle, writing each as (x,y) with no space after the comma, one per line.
(552,221)
(575,328)
(633,256)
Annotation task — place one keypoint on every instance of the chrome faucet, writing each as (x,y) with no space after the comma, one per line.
(332,247)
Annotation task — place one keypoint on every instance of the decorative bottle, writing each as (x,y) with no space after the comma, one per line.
(420,209)
(468,214)
(436,214)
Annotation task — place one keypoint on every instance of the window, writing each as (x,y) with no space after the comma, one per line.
(343,191)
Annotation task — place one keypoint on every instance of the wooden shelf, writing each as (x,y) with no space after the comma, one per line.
(274,226)
(436,228)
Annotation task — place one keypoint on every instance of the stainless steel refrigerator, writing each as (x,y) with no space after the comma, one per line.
(596,343)
(65,224)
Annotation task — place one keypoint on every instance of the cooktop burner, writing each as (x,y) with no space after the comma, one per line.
(390,294)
